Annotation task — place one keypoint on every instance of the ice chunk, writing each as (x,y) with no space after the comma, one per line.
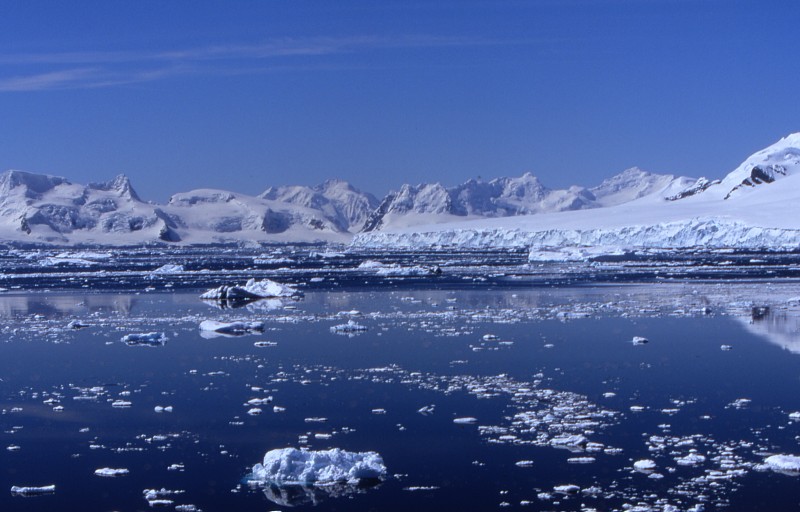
(467,420)
(783,463)
(349,328)
(639,340)
(644,465)
(111,472)
(149,339)
(252,290)
(290,466)
(30,491)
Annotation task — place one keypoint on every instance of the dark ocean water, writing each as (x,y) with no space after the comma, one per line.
(554,354)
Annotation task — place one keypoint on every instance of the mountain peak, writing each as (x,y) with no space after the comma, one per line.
(121,184)
(772,163)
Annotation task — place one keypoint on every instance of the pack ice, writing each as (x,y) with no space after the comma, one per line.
(290,466)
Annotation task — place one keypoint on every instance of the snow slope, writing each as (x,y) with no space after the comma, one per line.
(737,212)
(36,208)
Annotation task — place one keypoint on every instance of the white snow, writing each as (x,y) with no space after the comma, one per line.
(766,216)
(290,466)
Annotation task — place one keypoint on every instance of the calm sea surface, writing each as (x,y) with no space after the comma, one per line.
(559,392)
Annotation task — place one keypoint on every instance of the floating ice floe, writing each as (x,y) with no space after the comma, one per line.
(350,327)
(290,466)
(252,290)
(169,268)
(147,339)
(77,324)
(111,472)
(32,491)
(160,408)
(467,420)
(214,327)
(783,463)
(644,465)
(639,340)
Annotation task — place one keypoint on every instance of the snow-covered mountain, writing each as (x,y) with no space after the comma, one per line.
(506,197)
(756,206)
(36,208)
(345,205)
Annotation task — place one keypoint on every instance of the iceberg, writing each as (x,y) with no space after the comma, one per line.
(783,463)
(252,290)
(290,466)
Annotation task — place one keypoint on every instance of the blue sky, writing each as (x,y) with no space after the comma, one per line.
(243,95)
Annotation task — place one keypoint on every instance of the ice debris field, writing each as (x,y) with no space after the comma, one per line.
(258,394)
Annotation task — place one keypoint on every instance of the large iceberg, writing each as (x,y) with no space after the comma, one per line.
(290,466)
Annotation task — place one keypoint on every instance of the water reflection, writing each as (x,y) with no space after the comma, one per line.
(298,495)
(781,327)
(61,306)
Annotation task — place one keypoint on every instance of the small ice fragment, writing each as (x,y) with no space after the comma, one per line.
(524,463)
(278,408)
(379,411)
(111,472)
(639,340)
(428,409)
(147,339)
(490,337)
(315,420)
(566,489)
(255,411)
(348,328)
(264,344)
(726,347)
(76,324)
(692,459)
(644,465)
(32,490)
(121,404)
(794,416)
(580,460)
(467,420)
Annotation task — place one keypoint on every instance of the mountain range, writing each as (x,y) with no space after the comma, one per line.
(42,209)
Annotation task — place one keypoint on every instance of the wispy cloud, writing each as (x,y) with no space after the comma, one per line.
(106,69)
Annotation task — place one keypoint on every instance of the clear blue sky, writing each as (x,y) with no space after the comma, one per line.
(242,95)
